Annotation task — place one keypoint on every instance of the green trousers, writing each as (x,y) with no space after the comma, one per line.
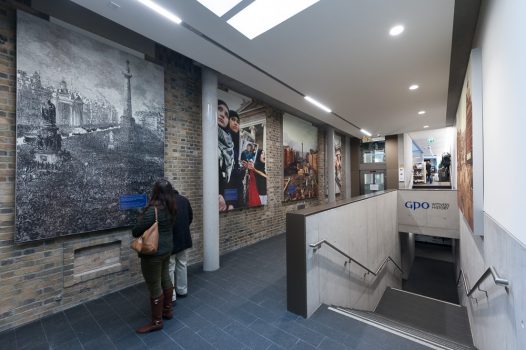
(155,271)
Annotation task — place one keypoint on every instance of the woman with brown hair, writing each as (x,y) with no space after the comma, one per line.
(162,208)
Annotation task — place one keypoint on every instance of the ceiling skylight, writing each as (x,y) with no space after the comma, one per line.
(219,7)
(262,15)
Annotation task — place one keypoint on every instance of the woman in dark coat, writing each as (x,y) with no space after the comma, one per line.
(155,267)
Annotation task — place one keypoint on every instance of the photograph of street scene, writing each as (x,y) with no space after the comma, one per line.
(89,129)
(241,151)
(300,159)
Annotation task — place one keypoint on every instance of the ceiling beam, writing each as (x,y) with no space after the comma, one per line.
(464,28)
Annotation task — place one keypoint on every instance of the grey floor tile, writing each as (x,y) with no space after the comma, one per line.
(98,343)
(73,344)
(305,334)
(274,334)
(220,339)
(247,336)
(156,339)
(189,340)
(329,344)
(302,346)
(129,343)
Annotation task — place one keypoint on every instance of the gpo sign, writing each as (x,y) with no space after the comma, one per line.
(417,205)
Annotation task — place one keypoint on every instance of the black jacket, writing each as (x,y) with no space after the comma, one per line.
(146,220)
(181,230)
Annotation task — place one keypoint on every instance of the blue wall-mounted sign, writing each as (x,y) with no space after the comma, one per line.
(132,201)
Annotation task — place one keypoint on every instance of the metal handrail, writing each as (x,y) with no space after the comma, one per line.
(318,245)
(499,281)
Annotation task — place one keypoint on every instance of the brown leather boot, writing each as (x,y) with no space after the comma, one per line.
(157,316)
(168,311)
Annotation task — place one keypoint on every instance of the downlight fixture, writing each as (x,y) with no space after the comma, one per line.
(396,30)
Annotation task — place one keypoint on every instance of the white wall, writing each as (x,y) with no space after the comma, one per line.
(499,321)
(502,37)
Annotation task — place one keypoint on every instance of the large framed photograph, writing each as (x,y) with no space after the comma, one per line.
(89,131)
(338,164)
(300,159)
(470,148)
(241,152)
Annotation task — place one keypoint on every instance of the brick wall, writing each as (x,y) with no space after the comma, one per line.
(41,278)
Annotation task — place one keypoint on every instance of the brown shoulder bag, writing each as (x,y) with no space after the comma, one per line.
(148,242)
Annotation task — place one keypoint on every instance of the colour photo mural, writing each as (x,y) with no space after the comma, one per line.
(338,169)
(89,129)
(241,152)
(300,159)
(469,147)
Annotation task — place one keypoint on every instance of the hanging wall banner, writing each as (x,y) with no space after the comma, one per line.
(89,129)
(241,152)
(300,159)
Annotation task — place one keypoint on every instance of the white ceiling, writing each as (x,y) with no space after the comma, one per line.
(338,51)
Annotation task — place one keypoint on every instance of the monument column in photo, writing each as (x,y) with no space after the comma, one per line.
(347,167)
(210,171)
(331,182)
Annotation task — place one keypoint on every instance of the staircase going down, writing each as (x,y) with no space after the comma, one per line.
(430,322)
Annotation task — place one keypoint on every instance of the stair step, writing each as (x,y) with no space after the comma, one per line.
(427,314)
(431,340)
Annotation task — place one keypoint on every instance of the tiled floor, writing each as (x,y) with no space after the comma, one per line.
(240,306)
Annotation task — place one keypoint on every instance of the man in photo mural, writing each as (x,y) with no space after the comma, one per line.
(225,151)
(234,187)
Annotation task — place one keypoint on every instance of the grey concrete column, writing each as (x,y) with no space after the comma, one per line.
(329,154)
(347,167)
(210,171)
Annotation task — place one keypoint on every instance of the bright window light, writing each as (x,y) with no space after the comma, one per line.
(365,132)
(318,104)
(262,15)
(396,30)
(219,7)
(421,112)
(161,10)
(413,87)
(426,126)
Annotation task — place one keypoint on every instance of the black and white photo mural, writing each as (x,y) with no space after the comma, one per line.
(89,132)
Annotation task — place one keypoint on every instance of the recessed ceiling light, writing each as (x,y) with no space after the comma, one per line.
(396,30)
(219,7)
(262,15)
(413,87)
(421,112)
(365,132)
(161,10)
(426,126)
(318,104)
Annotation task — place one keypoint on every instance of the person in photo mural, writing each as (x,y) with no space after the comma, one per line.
(248,153)
(155,268)
(261,176)
(235,185)
(225,151)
